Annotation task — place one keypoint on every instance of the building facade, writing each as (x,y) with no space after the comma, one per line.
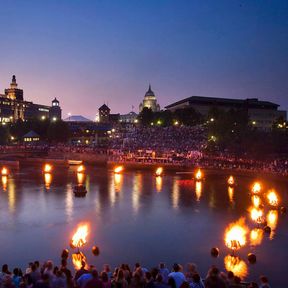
(13,107)
(262,114)
(149,101)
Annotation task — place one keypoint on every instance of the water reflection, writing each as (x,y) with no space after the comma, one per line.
(11,195)
(272,220)
(198,190)
(231,194)
(47,180)
(69,202)
(175,193)
(80,177)
(4,182)
(256,201)
(158,180)
(236,265)
(118,181)
(136,191)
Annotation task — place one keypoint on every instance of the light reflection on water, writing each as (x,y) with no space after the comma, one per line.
(131,222)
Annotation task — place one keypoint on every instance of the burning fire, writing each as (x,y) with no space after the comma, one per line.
(159,171)
(4,171)
(256,188)
(199,175)
(47,168)
(256,236)
(118,169)
(79,238)
(80,169)
(77,259)
(231,181)
(272,198)
(236,265)
(256,201)
(256,215)
(235,234)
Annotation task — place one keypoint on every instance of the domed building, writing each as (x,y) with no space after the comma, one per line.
(149,101)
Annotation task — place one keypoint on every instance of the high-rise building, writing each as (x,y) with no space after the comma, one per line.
(149,101)
(13,107)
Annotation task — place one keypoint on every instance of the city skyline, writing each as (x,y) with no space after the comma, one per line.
(100,52)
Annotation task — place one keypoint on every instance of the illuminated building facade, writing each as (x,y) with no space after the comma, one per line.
(262,114)
(149,101)
(13,107)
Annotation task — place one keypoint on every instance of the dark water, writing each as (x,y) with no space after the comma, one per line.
(136,217)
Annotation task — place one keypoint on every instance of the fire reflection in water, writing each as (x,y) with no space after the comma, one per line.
(256,236)
(256,201)
(272,220)
(175,194)
(11,195)
(198,190)
(4,182)
(136,192)
(80,178)
(47,180)
(69,202)
(158,183)
(231,194)
(236,265)
(118,180)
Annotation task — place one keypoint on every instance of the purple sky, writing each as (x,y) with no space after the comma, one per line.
(86,53)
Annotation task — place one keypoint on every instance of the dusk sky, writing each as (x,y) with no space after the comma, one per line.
(86,53)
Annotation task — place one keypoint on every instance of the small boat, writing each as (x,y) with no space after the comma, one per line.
(75,162)
(80,190)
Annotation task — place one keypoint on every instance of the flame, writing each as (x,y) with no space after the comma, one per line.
(4,182)
(256,188)
(80,169)
(231,194)
(80,178)
(198,190)
(272,198)
(77,259)
(256,236)
(231,180)
(47,168)
(272,221)
(79,238)
(47,180)
(4,171)
(199,175)
(235,234)
(159,171)
(118,169)
(256,201)
(256,214)
(236,265)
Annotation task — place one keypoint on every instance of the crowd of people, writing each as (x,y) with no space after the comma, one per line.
(49,275)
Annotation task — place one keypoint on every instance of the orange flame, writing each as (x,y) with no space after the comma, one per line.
(256,201)
(272,198)
(256,188)
(231,180)
(79,238)
(199,175)
(77,259)
(47,168)
(4,171)
(256,214)
(236,265)
(256,236)
(159,171)
(80,169)
(235,234)
(118,169)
